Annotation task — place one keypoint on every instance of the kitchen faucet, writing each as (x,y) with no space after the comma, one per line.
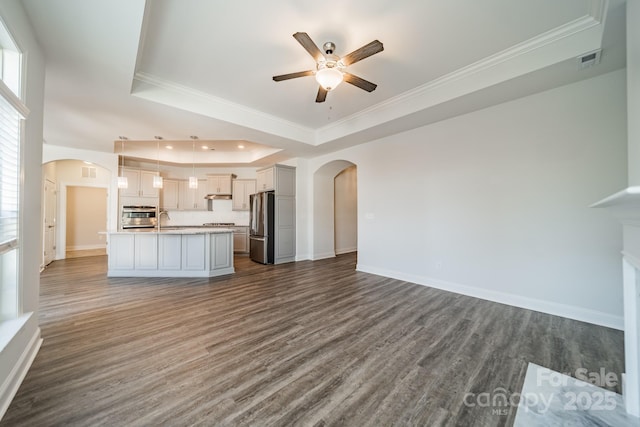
(163,212)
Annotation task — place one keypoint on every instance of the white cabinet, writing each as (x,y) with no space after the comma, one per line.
(176,195)
(194,252)
(264,179)
(121,251)
(219,184)
(140,183)
(285,233)
(242,188)
(240,239)
(221,251)
(281,180)
(285,180)
(193,198)
(146,251)
(170,194)
(170,252)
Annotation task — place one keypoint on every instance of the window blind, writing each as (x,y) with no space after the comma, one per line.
(9,175)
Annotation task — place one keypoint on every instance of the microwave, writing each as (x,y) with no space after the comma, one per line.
(139,217)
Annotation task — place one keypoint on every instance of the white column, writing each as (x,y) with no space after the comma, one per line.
(631,298)
(630,273)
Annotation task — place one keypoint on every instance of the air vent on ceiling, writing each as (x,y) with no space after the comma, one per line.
(589,58)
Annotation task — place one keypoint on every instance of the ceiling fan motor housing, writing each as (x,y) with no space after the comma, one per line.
(329,47)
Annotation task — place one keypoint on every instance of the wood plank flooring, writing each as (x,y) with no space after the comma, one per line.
(306,343)
(85,252)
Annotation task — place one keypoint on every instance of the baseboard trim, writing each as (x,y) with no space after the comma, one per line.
(571,312)
(346,250)
(86,247)
(325,255)
(11,385)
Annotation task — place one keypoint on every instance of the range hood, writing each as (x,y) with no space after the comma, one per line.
(218,197)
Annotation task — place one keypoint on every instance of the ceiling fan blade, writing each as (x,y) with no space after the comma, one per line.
(292,75)
(359,82)
(362,53)
(322,94)
(309,45)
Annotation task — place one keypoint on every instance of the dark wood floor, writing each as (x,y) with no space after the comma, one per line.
(307,343)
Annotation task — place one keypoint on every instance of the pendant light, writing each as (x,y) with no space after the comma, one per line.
(193,179)
(123,182)
(157,179)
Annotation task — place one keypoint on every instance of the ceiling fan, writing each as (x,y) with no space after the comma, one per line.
(330,68)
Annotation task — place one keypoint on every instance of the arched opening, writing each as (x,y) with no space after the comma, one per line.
(75,208)
(326,209)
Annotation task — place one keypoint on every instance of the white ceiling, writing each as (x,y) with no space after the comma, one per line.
(177,68)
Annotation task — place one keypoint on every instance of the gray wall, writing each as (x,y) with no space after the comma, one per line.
(495,203)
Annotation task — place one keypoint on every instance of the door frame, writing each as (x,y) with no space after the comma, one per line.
(45,206)
(61,238)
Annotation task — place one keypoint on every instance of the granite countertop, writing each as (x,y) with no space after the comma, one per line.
(175,230)
(203,226)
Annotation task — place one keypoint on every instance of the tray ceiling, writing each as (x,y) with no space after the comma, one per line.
(188,67)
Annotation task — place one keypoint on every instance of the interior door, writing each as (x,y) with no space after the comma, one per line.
(50,203)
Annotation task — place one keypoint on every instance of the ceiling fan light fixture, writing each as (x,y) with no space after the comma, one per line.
(329,77)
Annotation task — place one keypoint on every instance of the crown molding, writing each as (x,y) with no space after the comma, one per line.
(598,9)
(166,92)
(564,42)
(561,43)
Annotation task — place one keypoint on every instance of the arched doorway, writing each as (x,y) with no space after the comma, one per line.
(324,207)
(72,191)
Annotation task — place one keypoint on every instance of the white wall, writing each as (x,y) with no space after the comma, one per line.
(323,218)
(495,203)
(86,218)
(19,351)
(68,173)
(346,211)
(107,177)
(633,90)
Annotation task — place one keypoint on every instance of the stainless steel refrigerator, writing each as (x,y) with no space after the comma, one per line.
(261,227)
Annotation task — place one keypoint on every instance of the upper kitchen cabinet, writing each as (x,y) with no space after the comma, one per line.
(264,179)
(242,188)
(219,184)
(140,183)
(170,194)
(278,178)
(193,198)
(176,195)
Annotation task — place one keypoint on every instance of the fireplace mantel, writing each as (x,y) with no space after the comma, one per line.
(625,207)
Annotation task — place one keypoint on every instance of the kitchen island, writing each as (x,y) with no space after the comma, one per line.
(171,252)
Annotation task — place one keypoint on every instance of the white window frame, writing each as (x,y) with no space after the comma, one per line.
(11,56)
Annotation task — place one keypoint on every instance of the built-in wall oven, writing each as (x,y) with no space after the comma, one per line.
(139,217)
